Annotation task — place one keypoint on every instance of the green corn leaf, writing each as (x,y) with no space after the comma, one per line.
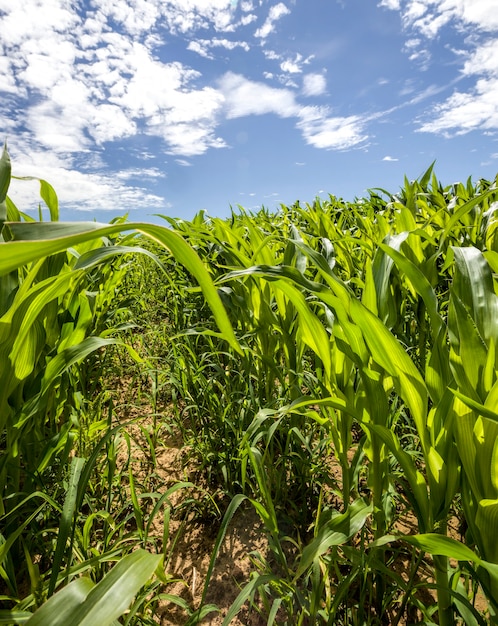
(487,522)
(442,545)
(476,437)
(94,257)
(482,409)
(473,285)
(47,192)
(461,212)
(61,608)
(53,237)
(389,353)
(384,348)
(48,195)
(467,445)
(438,376)
(336,531)
(66,526)
(14,617)
(418,487)
(246,593)
(419,282)
(267,509)
(381,268)
(5,175)
(468,354)
(69,356)
(369,295)
(11,539)
(82,603)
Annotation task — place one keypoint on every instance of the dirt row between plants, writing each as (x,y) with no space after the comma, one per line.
(192,539)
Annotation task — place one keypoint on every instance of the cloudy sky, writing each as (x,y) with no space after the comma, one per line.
(159,106)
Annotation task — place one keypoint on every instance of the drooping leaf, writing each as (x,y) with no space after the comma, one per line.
(82,603)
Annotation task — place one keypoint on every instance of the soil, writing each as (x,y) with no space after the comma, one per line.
(193,538)
(196,543)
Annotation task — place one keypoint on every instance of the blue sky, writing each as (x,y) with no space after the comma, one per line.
(170,107)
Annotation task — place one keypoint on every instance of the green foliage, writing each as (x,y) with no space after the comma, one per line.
(333,365)
(359,307)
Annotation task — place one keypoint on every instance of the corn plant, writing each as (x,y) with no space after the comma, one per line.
(362,349)
(58,281)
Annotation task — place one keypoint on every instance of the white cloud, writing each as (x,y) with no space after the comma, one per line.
(245,20)
(389,158)
(429,16)
(390,4)
(464,112)
(189,15)
(319,129)
(9,84)
(314,84)
(136,16)
(246,97)
(119,84)
(203,46)
(140,173)
(285,80)
(484,60)
(276,12)
(73,82)
(294,65)
(76,190)
(417,52)
(188,139)
(271,54)
(331,133)
(476,108)
(20,18)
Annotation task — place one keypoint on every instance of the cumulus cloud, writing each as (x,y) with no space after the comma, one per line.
(330,132)
(80,191)
(463,112)
(276,12)
(245,97)
(314,84)
(96,86)
(389,158)
(294,65)
(390,4)
(203,47)
(190,15)
(76,79)
(417,52)
(72,81)
(475,108)
(484,60)
(429,16)
(318,127)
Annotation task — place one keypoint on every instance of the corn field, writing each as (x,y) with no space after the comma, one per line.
(331,366)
